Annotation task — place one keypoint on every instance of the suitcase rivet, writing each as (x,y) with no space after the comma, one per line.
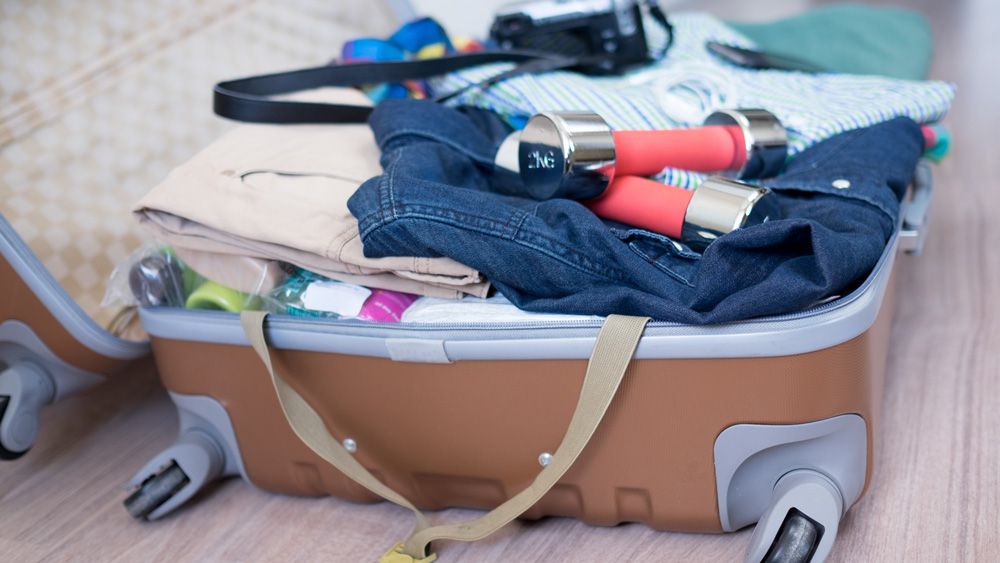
(545,459)
(841,184)
(350,445)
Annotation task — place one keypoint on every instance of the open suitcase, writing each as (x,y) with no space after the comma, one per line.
(86,126)
(49,347)
(714,428)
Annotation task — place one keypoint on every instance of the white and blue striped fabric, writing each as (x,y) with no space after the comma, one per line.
(690,83)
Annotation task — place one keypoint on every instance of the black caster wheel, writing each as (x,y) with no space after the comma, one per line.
(796,541)
(156,490)
(5,453)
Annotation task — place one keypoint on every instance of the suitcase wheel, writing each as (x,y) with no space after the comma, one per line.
(175,475)
(5,452)
(24,389)
(796,541)
(800,525)
(156,490)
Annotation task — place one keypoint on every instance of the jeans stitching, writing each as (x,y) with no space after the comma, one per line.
(391,172)
(523,217)
(656,264)
(455,222)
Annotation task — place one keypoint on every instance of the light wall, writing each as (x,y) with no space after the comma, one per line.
(470,18)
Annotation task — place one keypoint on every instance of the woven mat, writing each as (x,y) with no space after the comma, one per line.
(100,99)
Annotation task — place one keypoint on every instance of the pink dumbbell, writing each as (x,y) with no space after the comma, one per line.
(577,155)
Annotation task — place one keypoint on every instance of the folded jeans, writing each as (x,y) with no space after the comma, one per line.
(441,195)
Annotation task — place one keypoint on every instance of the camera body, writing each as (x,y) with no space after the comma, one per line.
(607,35)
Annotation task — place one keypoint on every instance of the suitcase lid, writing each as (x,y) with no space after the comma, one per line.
(59,304)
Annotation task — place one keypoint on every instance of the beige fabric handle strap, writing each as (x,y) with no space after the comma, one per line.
(310,428)
(612,353)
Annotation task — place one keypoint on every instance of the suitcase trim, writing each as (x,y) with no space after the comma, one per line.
(69,314)
(815,329)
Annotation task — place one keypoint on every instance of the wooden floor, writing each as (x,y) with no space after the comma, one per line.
(936,489)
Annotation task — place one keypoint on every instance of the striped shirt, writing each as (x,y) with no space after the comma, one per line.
(690,83)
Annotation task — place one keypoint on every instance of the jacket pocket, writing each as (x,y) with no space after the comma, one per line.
(669,256)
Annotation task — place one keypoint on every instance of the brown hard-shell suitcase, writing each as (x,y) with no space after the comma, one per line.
(712,429)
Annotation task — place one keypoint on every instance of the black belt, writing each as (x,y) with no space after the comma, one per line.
(249,99)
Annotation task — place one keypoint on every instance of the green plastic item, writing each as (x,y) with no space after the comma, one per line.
(211,295)
(851,38)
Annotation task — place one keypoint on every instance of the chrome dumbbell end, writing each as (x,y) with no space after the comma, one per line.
(764,138)
(566,155)
(720,205)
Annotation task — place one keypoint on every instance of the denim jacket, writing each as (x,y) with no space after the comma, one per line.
(441,195)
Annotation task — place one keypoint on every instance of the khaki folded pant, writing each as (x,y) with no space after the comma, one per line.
(280,192)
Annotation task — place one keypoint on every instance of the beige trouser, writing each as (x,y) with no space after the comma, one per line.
(280,192)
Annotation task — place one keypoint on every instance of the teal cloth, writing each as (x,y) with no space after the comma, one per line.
(851,38)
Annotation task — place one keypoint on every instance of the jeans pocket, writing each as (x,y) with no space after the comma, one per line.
(669,256)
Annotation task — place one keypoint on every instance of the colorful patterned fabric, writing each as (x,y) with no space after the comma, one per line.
(423,38)
(686,86)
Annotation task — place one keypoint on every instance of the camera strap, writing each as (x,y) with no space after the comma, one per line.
(250,99)
(661,18)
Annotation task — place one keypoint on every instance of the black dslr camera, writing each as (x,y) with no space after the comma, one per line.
(607,36)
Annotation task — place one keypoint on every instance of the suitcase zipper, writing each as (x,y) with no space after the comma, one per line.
(596,323)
